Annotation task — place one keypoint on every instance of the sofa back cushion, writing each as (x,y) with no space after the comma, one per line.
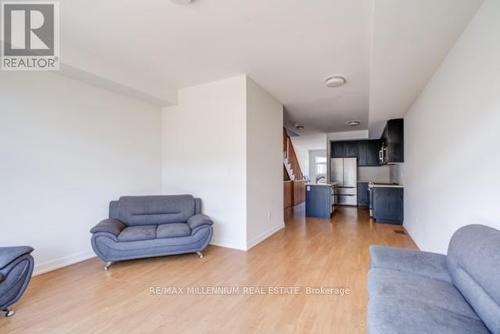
(474,264)
(153,210)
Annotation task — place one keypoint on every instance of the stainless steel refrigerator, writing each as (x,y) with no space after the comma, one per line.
(344,172)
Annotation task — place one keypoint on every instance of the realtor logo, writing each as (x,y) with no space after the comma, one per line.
(30,36)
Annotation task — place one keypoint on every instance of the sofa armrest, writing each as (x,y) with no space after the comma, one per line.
(112,226)
(9,254)
(199,220)
(430,265)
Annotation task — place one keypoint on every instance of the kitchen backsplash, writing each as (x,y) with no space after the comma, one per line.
(397,173)
(380,174)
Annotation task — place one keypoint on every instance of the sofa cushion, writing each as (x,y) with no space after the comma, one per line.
(112,250)
(391,315)
(474,264)
(154,210)
(136,233)
(427,291)
(173,230)
(425,264)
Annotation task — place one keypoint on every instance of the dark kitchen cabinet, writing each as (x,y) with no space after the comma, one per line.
(351,149)
(363,195)
(362,152)
(393,141)
(338,149)
(372,157)
(388,204)
(319,201)
(368,153)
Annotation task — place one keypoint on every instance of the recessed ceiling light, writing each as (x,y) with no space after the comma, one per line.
(352,123)
(335,81)
(299,126)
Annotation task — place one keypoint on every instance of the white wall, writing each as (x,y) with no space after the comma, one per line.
(223,143)
(66,150)
(264,164)
(347,135)
(302,154)
(452,160)
(204,149)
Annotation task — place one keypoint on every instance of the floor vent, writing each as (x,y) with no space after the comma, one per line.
(399,231)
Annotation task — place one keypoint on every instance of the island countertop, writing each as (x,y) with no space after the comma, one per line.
(321,184)
(382,185)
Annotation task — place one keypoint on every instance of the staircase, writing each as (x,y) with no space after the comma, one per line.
(290,161)
(289,168)
(294,189)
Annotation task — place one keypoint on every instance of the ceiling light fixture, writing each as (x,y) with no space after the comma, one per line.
(353,123)
(335,81)
(299,126)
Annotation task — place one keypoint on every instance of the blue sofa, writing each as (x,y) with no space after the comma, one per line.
(16,267)
(148,226)
(418,292)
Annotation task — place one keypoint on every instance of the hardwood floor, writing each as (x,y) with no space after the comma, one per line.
(83,298)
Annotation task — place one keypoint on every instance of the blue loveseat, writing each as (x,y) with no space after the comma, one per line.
(148,226)
(414,292)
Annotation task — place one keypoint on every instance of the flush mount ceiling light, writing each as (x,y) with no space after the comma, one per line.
(299,126)
(335,81)
(352,123)
(182,2)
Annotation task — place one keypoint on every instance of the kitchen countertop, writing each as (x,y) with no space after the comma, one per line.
(321,184)
(382,185)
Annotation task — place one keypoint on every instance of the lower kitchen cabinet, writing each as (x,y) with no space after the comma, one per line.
(388,205)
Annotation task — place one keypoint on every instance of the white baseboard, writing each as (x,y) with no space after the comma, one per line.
(64,261)
(263,236)
(251,243)
(227,245)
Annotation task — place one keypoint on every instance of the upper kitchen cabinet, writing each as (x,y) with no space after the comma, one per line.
(345,149)
(351,149)
(393,142)
(338,149)
(367,151)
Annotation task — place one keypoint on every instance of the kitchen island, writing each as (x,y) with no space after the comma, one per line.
(319,200)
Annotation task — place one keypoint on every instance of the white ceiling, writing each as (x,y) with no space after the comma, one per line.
(288,47)
(317,141)
(410,40)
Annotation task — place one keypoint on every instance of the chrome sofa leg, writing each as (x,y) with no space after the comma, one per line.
(9,313)
(200,254)
(107,265)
